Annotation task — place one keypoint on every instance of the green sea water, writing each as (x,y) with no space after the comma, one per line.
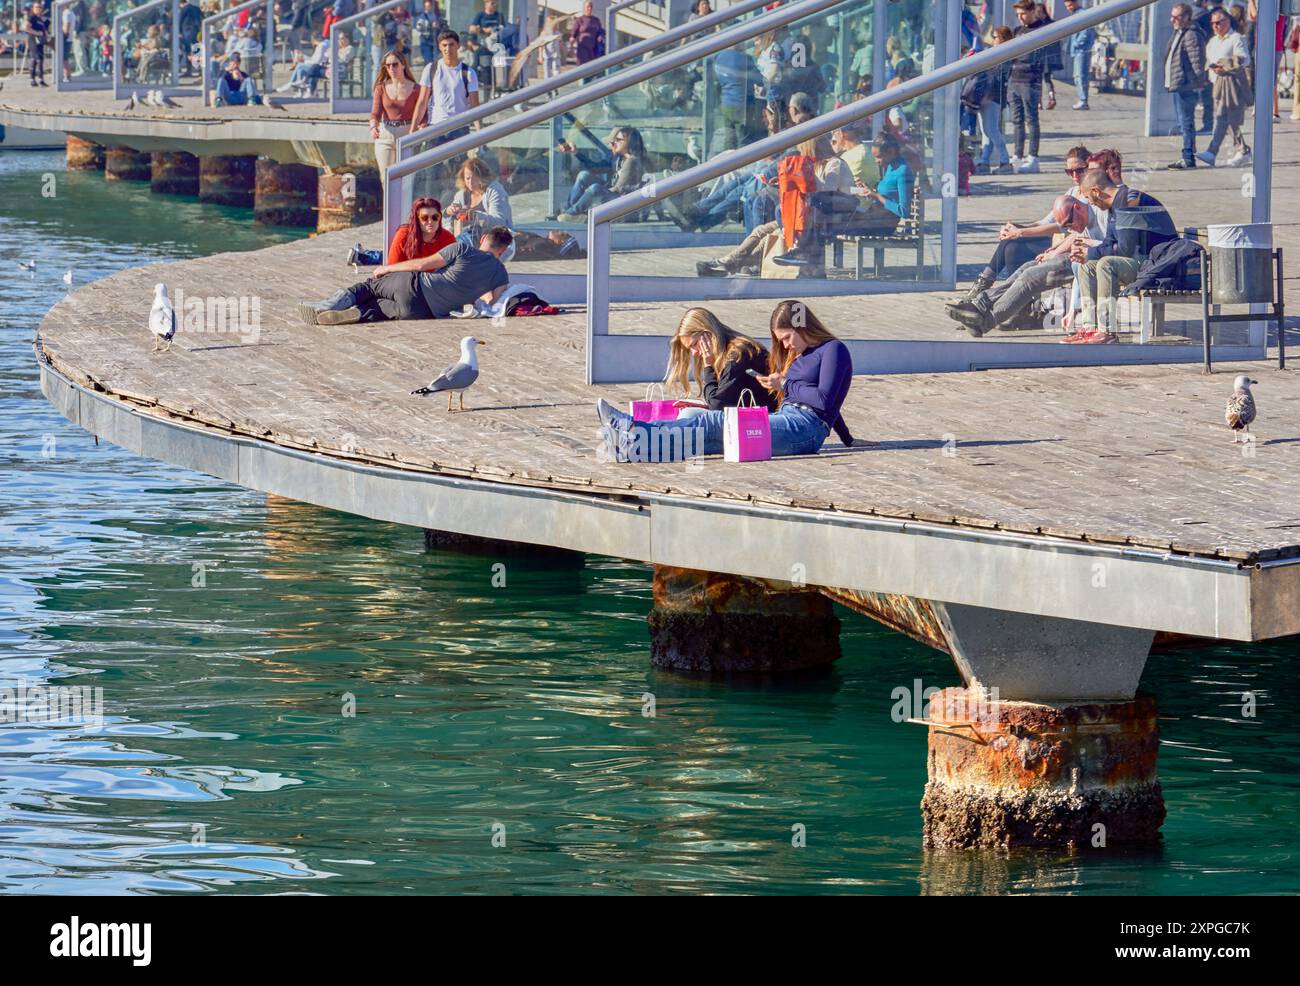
(334,709)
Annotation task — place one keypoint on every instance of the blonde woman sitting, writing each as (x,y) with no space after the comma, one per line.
(719,358)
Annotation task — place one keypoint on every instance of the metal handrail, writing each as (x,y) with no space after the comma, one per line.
(599,218)
(596,66)
(336,77)
(598,90)
(268,42)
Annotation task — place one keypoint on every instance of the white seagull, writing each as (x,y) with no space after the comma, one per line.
(1240,411)
(162,319)
(29,266)
(458,377)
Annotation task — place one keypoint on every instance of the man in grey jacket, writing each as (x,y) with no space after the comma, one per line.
(1184,71)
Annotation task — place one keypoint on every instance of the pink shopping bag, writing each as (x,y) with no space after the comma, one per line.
(746,432)
(652,409)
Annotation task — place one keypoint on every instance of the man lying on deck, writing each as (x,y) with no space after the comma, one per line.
(426,287)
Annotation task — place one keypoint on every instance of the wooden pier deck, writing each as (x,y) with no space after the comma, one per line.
(1131,456)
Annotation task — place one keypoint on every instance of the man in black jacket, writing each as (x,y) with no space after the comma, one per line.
(1185,77)
(1025,90)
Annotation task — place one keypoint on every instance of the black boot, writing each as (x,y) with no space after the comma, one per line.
(982,284)
(807,251)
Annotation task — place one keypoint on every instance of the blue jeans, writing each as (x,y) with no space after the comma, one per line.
(1186,101)
(588,190)
(714,207)
(1082,64)
(246,93)
(795,431)
(991,124)
(427,51)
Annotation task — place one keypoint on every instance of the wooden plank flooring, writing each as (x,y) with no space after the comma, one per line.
(1121,455)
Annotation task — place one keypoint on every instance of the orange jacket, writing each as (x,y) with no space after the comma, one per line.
(796,180)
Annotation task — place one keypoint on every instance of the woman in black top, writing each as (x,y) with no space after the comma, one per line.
(717,357)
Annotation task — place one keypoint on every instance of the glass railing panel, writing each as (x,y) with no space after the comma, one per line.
(663,125)
(85,54)
(145,48)
(247,29)
(526,79)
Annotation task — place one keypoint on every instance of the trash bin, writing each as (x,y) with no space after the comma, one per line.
(1242,261)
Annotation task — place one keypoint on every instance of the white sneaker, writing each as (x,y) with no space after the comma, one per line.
(1241,160)
(1015,162)
(1205,157)
(1028,166)
(1080,106)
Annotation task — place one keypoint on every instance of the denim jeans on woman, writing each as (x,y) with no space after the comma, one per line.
(1082,69)
(991,124)
(795,431)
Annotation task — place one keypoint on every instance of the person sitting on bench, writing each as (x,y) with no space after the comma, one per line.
(426,287)
(877,210)
(1006,301)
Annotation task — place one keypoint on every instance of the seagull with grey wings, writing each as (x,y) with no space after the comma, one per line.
(458,377)
(162,319)
(1240,411)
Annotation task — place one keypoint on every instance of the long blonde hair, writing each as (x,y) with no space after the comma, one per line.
(478,167)
(798,316)
(728,344)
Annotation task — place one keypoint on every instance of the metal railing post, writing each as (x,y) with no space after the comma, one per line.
(176,42)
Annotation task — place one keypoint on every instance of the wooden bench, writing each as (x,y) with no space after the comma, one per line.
(908,235)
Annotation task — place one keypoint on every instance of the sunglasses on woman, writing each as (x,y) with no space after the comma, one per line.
(429,217)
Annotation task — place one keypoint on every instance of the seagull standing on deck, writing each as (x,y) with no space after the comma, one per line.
(162,319)
(1240,411)
(130,103)
(458,377)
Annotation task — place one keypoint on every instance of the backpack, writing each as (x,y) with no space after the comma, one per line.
(974,90)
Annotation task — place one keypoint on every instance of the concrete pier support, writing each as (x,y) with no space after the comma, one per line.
(347,200)
(124,164)
(715,623)
(174,173)
(1047,745)
(84,155)
(284,194)
(227,179)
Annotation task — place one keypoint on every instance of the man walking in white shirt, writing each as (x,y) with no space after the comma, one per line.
(447,88)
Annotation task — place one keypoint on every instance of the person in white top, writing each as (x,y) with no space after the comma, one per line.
(1227,58)
(447,87)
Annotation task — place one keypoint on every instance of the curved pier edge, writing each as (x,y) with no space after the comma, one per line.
(1035,575)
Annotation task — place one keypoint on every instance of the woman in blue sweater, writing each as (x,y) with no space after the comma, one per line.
(808,369)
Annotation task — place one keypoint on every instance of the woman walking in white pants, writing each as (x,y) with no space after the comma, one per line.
(392,109)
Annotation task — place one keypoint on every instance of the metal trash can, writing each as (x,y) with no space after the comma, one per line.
(1242,260)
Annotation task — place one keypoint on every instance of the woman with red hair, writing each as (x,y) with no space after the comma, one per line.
(422,235)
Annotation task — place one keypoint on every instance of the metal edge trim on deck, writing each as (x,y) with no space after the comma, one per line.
(1049,577)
